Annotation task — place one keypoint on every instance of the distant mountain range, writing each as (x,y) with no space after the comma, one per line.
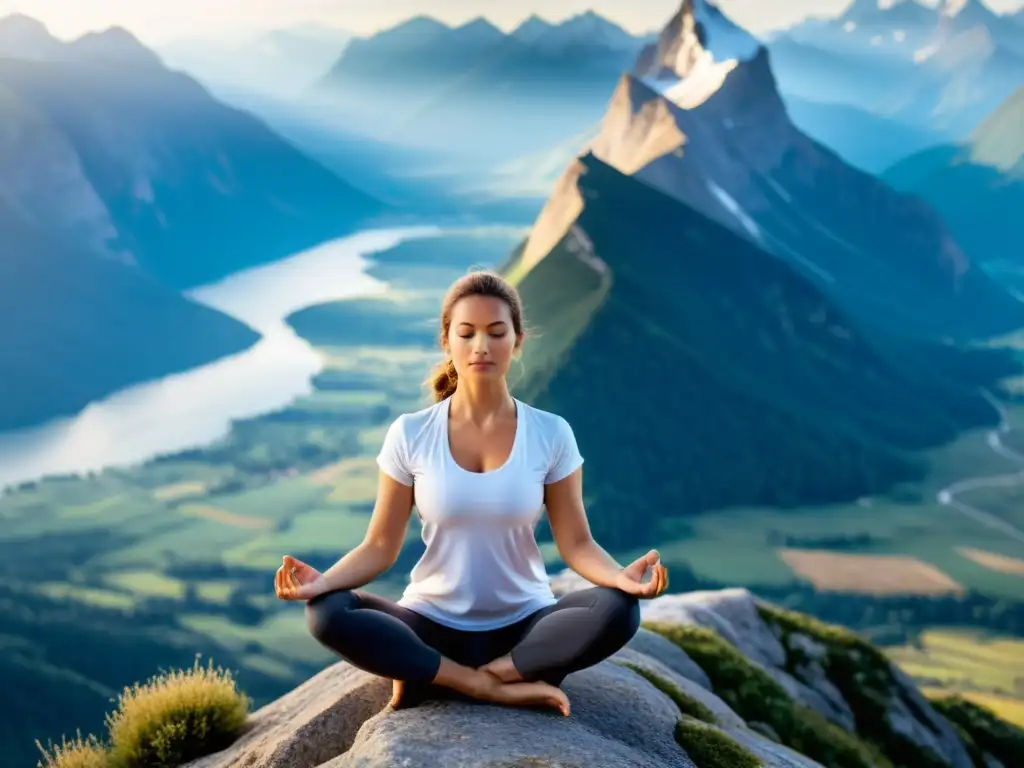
(282,62)
(122,183)
(806,329)
(917,74)
(977,185)
(477,88)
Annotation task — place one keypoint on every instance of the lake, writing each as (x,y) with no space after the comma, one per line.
(196,407)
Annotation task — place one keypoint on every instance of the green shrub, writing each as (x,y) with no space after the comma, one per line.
(176,717)
(863,676)
(77,753)
(684,702)
(983,729)
(710,748)
(755,696)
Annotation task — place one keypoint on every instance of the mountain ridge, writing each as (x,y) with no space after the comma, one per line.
(977,185)
(433,91)
(186,174)
(942,74)
(758,384)
(124,183)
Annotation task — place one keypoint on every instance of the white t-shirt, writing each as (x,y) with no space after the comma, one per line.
(482,568)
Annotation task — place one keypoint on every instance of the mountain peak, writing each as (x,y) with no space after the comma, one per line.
(479,29)
(532,29)
(697,36)
(22,23)
(416,25)
(115,44)
(24,37)
(694,54)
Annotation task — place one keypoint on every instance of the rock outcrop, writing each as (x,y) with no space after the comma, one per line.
(713,679)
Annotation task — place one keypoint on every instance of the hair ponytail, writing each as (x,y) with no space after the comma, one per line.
(444,380)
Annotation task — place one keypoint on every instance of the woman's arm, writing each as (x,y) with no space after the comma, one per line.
(382,543)
(576,545)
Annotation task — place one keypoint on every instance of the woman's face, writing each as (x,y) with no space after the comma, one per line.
(481,338)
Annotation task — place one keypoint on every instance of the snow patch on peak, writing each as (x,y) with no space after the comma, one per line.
(694,54)
(705,78)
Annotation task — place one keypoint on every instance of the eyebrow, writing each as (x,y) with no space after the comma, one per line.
(496,322)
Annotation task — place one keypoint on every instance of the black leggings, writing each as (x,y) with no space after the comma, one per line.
(391,641)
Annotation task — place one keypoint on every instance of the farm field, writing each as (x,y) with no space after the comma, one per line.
(987,670)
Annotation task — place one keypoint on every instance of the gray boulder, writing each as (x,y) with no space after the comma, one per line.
(648,705)
(340,719)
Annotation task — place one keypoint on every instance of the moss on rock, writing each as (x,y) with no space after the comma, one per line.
(708,747)
(686,704)
(983,730)
(755,696)
(863,676)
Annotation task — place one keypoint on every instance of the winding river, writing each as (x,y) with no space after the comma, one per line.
(947,495)
(196,407)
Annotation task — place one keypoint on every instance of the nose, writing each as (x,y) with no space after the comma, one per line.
(480,345)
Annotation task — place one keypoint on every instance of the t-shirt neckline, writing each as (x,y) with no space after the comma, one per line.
(446,440)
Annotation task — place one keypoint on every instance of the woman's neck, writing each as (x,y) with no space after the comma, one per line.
(481,404)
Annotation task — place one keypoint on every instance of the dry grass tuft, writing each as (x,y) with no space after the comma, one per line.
(176,717)
(76,753)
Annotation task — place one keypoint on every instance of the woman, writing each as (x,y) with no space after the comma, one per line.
(478,616)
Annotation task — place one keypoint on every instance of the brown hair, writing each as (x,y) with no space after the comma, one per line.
(444,378)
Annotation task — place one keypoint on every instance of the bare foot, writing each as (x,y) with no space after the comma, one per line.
(504,670)
(529,695)
(487,687)
(397,691)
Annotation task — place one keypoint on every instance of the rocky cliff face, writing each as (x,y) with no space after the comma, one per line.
(713,679)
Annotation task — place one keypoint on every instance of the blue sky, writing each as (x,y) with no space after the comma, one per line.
(157,21)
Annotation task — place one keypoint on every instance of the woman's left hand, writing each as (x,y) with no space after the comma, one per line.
(631,577)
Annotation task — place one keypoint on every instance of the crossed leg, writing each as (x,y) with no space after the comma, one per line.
(578,631)
(388,640)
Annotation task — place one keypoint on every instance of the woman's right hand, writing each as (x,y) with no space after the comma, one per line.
(295,580)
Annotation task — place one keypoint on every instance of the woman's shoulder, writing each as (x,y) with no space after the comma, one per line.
(413,424)
(547,422)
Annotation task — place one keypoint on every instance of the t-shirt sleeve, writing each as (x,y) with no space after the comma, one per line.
(565,454)
(393,458)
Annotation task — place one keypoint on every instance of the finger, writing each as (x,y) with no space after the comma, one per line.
(658,579)
(277,581)
(635,570)
(654,584)
(665,586)
(662,579)
(285,588)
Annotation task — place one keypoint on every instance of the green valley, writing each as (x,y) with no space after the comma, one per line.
(108,578)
